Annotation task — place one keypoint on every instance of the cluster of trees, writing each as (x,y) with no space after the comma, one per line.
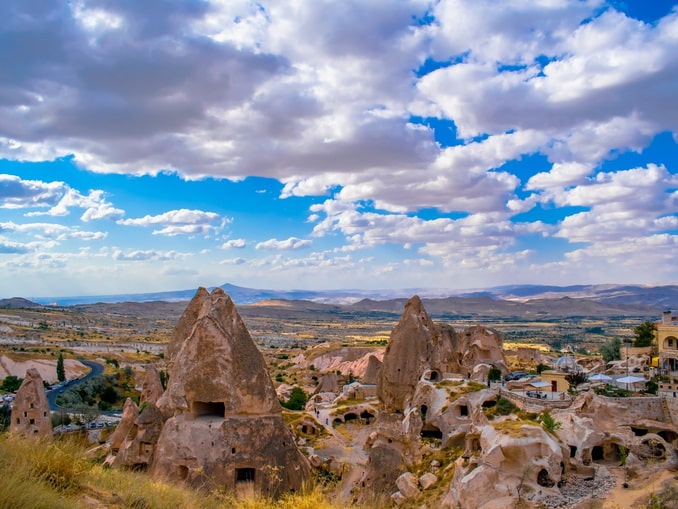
(297,399)
(103,392)
(643,336)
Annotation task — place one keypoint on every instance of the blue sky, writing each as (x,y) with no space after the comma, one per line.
(157,145)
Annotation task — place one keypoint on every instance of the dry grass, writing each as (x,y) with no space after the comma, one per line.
(54,474)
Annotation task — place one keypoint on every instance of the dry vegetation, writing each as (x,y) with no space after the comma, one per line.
(55,475)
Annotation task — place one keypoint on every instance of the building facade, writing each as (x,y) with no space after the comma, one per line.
(667,343)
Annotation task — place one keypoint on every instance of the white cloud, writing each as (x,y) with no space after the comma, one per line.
(16,193)
(181,222)
(289,244)
(130,255)
(234,244)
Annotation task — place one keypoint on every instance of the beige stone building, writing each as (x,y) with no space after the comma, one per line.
(667,343)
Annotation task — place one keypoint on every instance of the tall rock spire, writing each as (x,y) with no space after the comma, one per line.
(30,412)
(225,427)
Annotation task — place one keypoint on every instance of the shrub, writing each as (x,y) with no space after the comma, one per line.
(11,383)
(549,423)
(297,401)
(494,374)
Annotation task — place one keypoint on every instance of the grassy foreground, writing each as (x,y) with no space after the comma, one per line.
(54,474)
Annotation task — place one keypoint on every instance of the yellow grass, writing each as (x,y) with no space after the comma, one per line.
(54,474)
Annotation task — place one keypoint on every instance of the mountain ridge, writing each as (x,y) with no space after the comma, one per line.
(510,300)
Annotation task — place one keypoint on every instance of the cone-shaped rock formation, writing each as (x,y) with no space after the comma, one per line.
(225,426)
(30,412)
(414,343)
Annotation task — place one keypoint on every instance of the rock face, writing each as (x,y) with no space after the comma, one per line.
(225,426)
(30,412)
(372,371)
(527,459)
(151,387)
(418,347)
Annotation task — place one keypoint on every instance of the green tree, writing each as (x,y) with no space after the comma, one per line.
(494,374)
(11,383)
(576,378)
(5,415)
(643,334)
(297,401)
(61,371)
(541,367)
(611,350)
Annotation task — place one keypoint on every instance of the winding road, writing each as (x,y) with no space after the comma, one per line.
(95,370)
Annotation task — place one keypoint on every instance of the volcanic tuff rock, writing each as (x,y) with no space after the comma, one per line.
(30,412)
(372,371)
(418,345)
(151,387)
(225,426)
(130,412)
(529,459)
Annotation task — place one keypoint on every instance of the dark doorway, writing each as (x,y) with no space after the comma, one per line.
(208,409)
(431,432)
(244,475)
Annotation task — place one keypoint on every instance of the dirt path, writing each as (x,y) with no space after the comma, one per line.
(638,491)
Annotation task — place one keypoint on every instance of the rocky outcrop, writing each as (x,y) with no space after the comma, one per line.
(372,370)
(130,412)
(30,412)
(418,347)
(151,387)
(225,426)
(527,459)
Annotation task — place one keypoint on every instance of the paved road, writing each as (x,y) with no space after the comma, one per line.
(95,370)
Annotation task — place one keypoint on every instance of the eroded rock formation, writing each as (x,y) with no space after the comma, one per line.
(30,412)
(419,347)
(225,426)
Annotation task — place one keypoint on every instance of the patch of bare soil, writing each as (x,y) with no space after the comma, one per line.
(638,491)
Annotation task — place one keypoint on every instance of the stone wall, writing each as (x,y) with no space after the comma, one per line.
(649,407)
(671,406)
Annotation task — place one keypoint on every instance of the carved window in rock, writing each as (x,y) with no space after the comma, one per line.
(463,411)
(208,409)
(244,474)
(430,431)
(434,376)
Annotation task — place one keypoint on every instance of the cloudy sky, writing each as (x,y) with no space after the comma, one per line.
(166,144)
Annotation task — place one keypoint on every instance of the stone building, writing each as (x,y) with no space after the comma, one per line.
(30,412)
(667,342)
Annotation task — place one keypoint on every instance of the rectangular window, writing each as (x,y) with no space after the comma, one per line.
(244,475)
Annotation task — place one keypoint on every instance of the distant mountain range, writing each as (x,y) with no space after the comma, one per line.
(608,299)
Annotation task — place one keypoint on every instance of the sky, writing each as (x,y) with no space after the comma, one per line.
(315,144)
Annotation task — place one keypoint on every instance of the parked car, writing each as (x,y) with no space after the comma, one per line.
(516,375)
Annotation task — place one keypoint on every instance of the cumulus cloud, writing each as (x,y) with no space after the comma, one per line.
(234,244)
(291,91)
(137,255)
(180,222)
(289,244)
(16,193)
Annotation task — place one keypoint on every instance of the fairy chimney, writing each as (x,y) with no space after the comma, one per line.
(151,387)
(416,345)
(30,412)
(225,427)
(422,350)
